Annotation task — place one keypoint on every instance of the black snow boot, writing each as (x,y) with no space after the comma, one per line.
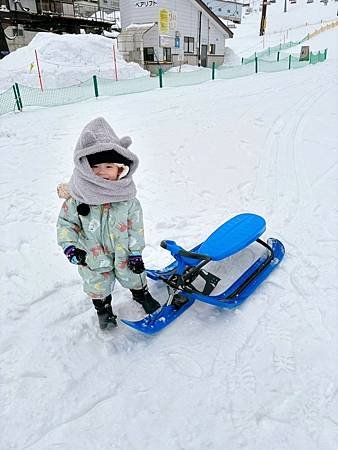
(107,318)
(143,297)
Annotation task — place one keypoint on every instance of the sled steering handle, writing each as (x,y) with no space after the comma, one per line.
(177,250)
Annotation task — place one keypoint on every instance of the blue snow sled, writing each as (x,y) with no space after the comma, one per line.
(233,236)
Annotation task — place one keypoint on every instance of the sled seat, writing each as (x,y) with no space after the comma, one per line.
(231,237)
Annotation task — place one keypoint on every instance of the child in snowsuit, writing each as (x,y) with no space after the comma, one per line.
(100,225)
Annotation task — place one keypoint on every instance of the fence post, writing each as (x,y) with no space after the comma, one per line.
(277,56)
(213,71)
(310,59)
(96,88)
(242,60)
(16,99)
(256,64)
(19,95)
(289,62)
(325,54)
(160,73)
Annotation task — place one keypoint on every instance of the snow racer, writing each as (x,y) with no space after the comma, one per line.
(182,274)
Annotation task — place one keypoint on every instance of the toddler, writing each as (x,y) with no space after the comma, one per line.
(100,225)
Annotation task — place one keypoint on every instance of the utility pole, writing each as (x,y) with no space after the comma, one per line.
(263,19)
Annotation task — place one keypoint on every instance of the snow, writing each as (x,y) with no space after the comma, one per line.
(65,60)
(261,377)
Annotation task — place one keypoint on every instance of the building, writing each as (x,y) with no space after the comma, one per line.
(20,20)
(166,33)
(226,9)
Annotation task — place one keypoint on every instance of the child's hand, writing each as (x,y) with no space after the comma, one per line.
(76,255)
(135,263)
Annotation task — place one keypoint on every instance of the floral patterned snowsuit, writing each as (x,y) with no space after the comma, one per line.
(109,234)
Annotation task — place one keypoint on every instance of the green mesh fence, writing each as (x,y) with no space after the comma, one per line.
(273,66)
(271,51)
(8,103)
(142,84)
(317,57)
(20,96)
(175,79)
(226,72)
(54,97)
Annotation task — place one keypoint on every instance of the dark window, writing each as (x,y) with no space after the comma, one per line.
(167,54)
(212,49)
(148,53)
(188,44)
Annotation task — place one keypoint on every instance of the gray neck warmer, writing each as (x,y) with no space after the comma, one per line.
(86,187)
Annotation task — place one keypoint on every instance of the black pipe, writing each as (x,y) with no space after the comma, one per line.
(199,40)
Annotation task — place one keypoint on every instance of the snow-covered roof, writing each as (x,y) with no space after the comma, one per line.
(139,26)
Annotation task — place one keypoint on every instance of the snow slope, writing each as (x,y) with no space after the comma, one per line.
(261,377)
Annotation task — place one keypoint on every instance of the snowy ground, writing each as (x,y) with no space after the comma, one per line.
(261,377)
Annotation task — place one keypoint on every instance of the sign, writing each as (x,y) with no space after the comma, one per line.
(177,42)
(304,53)
(165,41)
(146,4)
(226,9)
(164,21)
(172,20)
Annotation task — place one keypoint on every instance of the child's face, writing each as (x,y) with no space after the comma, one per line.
(108,171)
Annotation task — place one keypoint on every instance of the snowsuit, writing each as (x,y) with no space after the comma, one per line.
(109,233)
(111,229)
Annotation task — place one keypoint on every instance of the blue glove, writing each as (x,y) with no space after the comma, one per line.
(76,255)
(135,263)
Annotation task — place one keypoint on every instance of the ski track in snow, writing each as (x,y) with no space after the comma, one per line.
(260,377)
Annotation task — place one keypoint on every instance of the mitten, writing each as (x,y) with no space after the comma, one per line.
(76,255)
(63,191)
(135,263)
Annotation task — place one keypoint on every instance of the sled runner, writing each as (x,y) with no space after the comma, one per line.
(182,274)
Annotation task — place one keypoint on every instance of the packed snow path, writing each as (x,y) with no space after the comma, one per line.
(261,377)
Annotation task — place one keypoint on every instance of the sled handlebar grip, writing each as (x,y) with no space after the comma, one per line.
(163,244)
(175,249)
(194,255)
(171,246)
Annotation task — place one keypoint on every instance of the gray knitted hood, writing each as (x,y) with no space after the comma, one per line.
(86,187)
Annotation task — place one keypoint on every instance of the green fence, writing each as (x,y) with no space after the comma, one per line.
(270,51)
(20,96)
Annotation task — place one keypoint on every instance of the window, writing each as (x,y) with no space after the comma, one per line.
(148,53)
(188,44)
(212,49)
(167,54)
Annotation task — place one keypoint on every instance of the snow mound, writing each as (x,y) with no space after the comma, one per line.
(65,60)
(230,57)
(184,68)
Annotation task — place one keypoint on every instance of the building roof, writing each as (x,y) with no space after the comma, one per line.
(214,17)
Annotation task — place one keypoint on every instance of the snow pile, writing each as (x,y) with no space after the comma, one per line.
(230,57)
(65,60)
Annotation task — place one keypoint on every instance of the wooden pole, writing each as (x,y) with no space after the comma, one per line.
(115,65)
(39,72)
(263,18)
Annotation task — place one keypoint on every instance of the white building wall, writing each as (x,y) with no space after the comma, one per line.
(187,24)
